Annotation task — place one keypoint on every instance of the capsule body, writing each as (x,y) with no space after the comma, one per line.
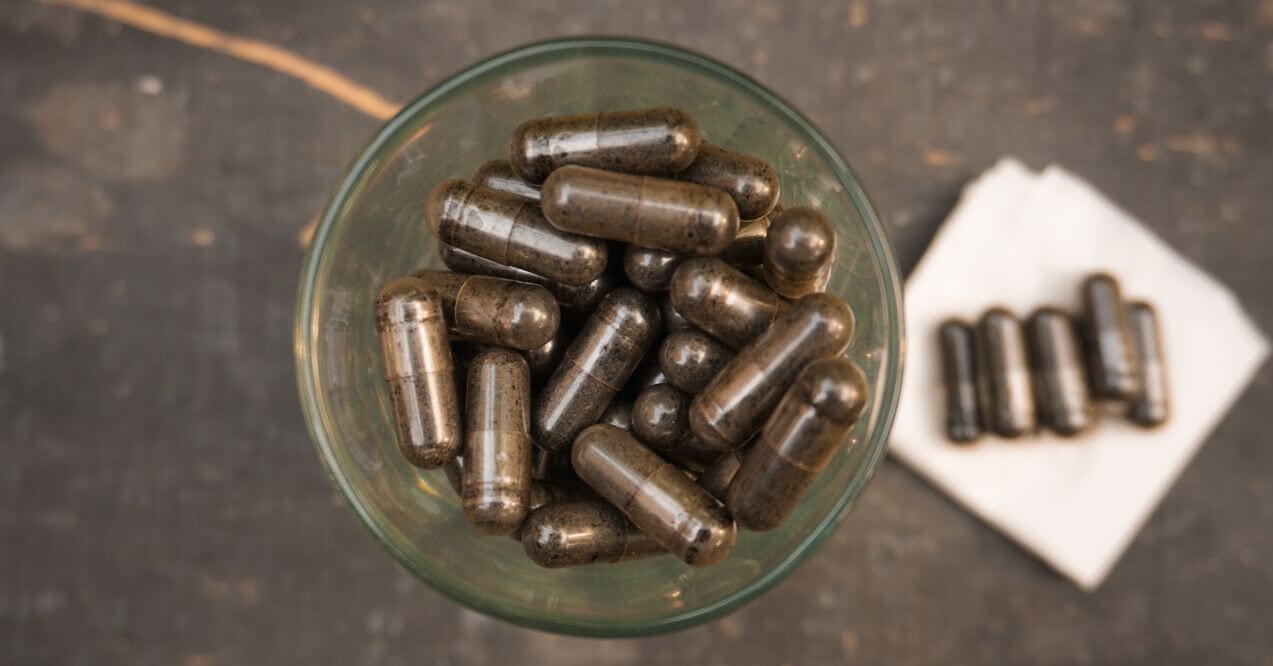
(718,475)
(1004,380)
(1111,359)
(583,531)
(799,252)
(798,441)
(571,297)
(691,359)
(648,269)
(1056,364)
(738,400)
(660,419)
(499,175)
(495,311)
(497,445)
(508,229)
(721,300)
(749,181)
(650,212)
(656,496)
(419,372)
(596,366)
(1152,406)
(543,493)
(959,374)
(648,141)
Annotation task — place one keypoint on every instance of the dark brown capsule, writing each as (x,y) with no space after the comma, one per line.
(499,175)
(656,496)
(596,366)
(575,298)
(1004,375)
(497,445)
(543,493)
(650,212)
(419,372)
(718,475)
(691,359)
(748,247)
(1056,365)
(648,269)
(495,311)
(1152,406)
(508,229)
(660,419)
(618,414)
(750,181)
(721,300)
(1111,361)
(736,403)
(575,532)
(959,374)
(650,141)
(799,252)
(804,433)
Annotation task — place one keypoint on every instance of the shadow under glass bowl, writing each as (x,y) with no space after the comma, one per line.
(373,230)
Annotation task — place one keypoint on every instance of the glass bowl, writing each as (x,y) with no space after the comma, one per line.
(373,230)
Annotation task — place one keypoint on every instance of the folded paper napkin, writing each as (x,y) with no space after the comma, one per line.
(1023,240)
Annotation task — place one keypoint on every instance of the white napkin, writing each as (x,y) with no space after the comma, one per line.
(1023,240)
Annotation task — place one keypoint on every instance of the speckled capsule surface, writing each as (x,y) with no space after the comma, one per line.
(508,229)
(655,495)
(722,301)
(618,414)
(718,475)
(570,297)
(576,532)
(495,311)
(646,141)
(804,433)
(691,359)
(419,372)
(596,366)
(497,445)
(499,175)
(1111,362)
(738,400)
(648,269)
(749,181)
(748,246)
(643,210)
(1004,385)
(958,346)
(660,419)
(543,493)
(1061,395)
(799,252)
(1152,406)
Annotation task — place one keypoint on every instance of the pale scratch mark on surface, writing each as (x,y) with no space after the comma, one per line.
(858,14)
(163,24)
(1192,144)
(939,158)
(1125,124)
(1216,31)
(306,234)
(1264,14)
(1147,152)
(202,237)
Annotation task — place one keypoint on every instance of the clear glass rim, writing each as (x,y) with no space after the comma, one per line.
(305,333)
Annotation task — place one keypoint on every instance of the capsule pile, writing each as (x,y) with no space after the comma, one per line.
(632,353)
(1053,372)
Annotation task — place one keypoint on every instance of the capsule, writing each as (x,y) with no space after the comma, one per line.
(691,358)
(798,441)
(748,248)
(749,181)
(1111,360)
(656,496)
(618,414)
(497,445)
(1004,379)
(499,175)
(648,269)
(575,532)
(495,311)
(508,229)
(799,252)
(649,141)
(718,475)
(959,373)
(575,298)
(660,419)
(1152,406)
(650,212)
(596,366)
(543,493)
(419,372)
(736,402)
(1056,364)
(721,300)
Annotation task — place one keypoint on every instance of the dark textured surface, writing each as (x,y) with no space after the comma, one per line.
(160,502)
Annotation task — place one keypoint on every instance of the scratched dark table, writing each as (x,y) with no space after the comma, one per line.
(159,499)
